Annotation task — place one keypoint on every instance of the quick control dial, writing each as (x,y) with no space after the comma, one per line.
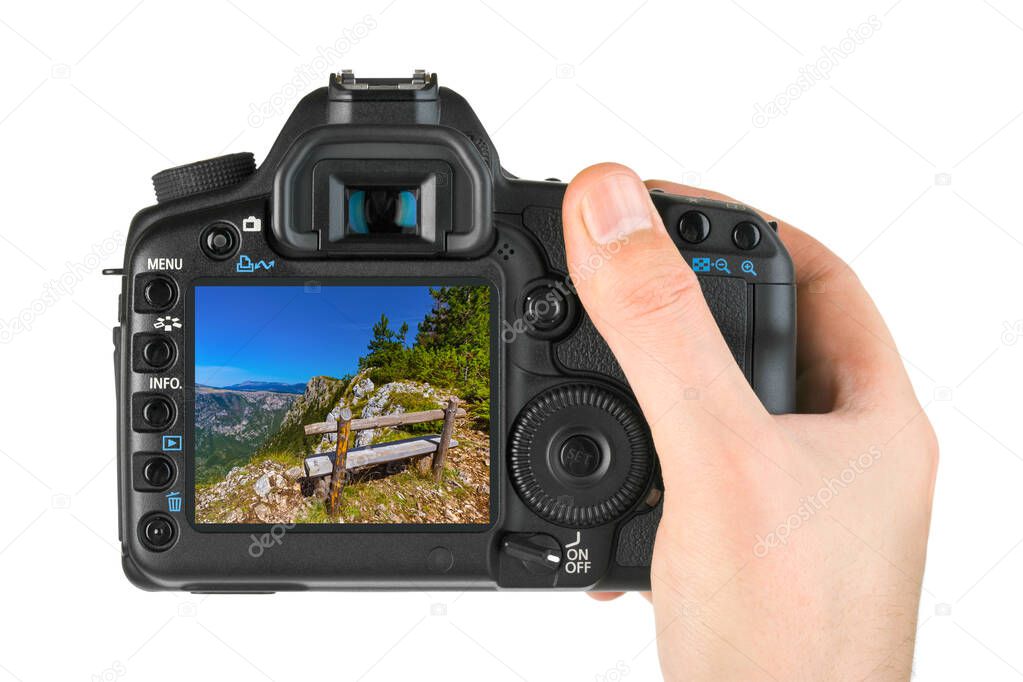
(581,455)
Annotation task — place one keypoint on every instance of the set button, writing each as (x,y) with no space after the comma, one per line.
(580,456)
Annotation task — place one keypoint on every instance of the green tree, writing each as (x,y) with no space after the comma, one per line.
(386,346)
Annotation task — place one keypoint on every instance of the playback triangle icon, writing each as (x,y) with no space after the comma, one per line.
(171,443)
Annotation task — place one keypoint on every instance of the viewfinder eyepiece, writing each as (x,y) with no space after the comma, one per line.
(382,210)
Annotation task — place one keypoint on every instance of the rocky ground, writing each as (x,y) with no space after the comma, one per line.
(270,491)
(264,492)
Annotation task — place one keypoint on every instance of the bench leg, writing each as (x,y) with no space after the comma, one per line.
(338,475)
(445,438)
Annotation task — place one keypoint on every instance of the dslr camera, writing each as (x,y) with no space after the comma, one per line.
(363,364)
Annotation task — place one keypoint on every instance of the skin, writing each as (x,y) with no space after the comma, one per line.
(791,547)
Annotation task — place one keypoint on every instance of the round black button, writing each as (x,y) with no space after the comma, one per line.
(694,227)
(160,292)
(158,412)
(580,456)
(746,236)
(545,308)
(219,241)
(157,532)
(158,353)
(158,472)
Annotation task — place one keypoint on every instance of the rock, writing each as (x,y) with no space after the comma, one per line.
(262,513)
(235,516)
(293,474)
(362,388)
(262,486)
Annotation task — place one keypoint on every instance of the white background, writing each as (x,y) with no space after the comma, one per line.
(905,161)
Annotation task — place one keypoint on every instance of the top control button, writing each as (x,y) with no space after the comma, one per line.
(219,241)
(746,235)
(160,293)
(694,227)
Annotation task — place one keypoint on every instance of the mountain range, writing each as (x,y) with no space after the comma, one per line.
(236,422)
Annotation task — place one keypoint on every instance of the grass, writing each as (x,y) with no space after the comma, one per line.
(288,459)
(360,499)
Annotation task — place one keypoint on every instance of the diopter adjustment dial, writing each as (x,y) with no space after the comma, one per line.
(203,176)
(580,455)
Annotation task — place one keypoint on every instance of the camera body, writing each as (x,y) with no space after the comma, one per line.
(378,195)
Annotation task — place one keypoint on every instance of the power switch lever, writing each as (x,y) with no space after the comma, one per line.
(539,553)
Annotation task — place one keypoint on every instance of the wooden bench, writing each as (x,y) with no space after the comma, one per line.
(322,464)
(337,464)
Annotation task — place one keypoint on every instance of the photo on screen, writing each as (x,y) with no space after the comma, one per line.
(329,404)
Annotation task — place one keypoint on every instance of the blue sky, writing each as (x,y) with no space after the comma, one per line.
(283,333)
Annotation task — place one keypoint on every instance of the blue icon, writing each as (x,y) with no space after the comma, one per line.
(747,267)
(174,501)
(246,264)
(722,265)
(171,443)
(701,264)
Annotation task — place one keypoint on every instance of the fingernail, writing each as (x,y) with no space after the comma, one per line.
(616,206)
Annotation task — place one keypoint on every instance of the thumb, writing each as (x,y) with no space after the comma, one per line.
(647,304)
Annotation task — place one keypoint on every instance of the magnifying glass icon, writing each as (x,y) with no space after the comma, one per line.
(747,267)
(722,265)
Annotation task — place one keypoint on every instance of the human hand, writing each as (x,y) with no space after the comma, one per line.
(791,547)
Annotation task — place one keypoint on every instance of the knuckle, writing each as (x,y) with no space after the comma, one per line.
(655,293)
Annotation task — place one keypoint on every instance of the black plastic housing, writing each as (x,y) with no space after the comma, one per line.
(489,227)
